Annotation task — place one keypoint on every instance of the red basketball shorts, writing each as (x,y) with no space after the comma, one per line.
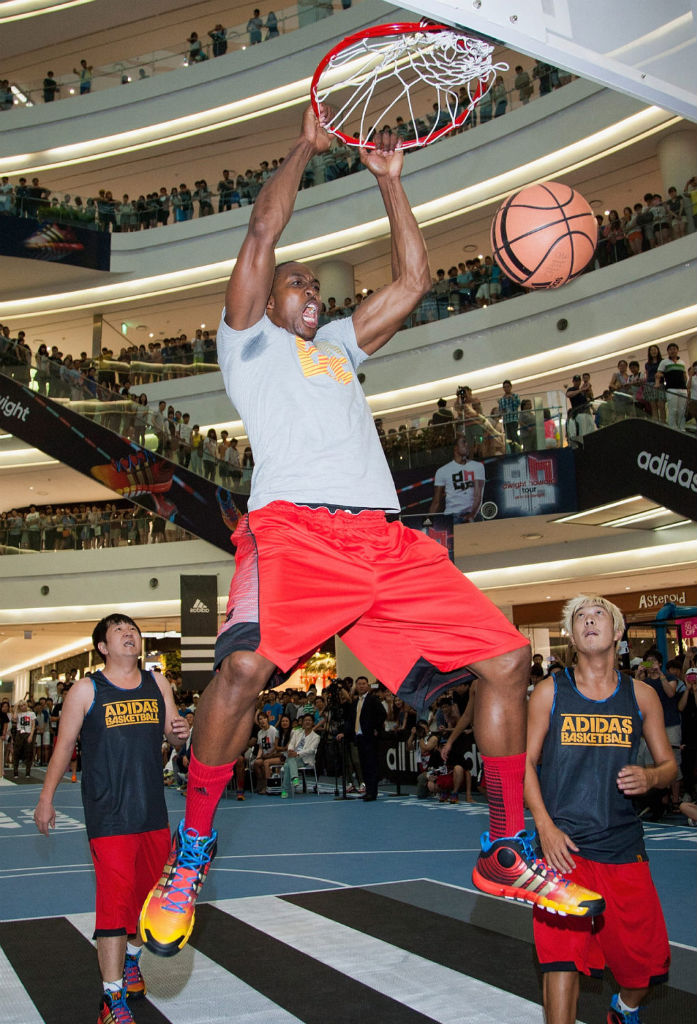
(629,936)
(391,593)
(126,868)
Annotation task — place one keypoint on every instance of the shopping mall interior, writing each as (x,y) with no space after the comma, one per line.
(182,120)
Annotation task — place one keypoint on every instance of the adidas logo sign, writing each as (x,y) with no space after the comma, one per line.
(199,606)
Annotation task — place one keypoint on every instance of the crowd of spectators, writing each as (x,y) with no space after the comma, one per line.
(664,390)
(304,728)
(177,203)
(83,526)
(194,50)
(105,390)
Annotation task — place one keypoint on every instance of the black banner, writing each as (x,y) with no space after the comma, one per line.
(55,241)
(437,526)
(638,457)
(146,479)
(199,626)
(530,484)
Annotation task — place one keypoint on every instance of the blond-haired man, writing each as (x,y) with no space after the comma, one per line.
(584,726)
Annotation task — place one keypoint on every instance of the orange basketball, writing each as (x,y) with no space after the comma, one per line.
(544,235)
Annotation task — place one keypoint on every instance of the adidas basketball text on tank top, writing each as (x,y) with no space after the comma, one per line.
(121,744)
(587,744)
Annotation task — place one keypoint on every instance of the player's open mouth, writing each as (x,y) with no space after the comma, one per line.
(311,315)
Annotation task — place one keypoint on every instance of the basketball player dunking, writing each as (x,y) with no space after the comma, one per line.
(321,551)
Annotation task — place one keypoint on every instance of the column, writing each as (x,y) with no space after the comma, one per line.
(347,664)
(336,279)
(97,320)
(677,157)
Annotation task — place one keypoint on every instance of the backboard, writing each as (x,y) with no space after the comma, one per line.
(647,49)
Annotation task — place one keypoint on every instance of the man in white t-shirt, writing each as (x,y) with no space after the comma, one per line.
(459,484)
(672,375)
(184,451)
(321,550)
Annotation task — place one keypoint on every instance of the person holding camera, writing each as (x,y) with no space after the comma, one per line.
(687,706)
(668,687)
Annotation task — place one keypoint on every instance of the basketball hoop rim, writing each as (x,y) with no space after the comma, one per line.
(396,28)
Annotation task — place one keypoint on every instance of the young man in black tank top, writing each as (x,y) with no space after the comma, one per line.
(584,727)
(121,715)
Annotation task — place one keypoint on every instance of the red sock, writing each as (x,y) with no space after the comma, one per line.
(204,789)
(504,788)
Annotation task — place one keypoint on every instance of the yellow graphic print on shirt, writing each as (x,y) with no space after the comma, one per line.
(130,712)
(314,362)
(596,730)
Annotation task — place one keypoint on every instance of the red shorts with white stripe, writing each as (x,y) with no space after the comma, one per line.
(629,936)
(391,593)
(126,868)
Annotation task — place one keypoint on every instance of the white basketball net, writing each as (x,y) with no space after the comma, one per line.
(446,61)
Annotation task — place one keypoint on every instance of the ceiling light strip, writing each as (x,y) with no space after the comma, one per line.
(598,508)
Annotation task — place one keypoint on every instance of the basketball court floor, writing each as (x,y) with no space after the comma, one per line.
(316,910)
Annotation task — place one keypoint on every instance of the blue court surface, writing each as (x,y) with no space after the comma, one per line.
(369,906)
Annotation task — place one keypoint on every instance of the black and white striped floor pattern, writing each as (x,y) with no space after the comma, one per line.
(404,953)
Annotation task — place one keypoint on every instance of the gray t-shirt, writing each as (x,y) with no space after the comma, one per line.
(308,423)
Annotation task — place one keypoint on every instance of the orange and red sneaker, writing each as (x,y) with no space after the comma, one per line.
(508,867)
(168,913)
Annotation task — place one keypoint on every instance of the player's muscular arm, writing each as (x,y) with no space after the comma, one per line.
(251,280)
(557,846)
(75,707)
(378,318)
(634,779)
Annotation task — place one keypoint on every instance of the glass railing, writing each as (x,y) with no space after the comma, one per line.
(76,529)
(196,49)
(535,427)
(157,206)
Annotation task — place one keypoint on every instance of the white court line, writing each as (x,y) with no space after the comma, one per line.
(427,987)
(196,989)
(287,874)
(17,1007)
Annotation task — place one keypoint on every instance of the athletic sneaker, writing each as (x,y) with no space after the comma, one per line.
(168,913)
(132,978)
(508,867)
(617,1016)
(114,1008)
(454,798)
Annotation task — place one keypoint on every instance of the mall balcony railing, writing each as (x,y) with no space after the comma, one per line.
(426,444)
(69,207)
(140,67)
(70,530)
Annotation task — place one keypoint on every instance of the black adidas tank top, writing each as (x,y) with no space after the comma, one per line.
(587,744)
(121,744)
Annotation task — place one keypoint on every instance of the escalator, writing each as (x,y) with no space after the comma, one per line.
(147,479)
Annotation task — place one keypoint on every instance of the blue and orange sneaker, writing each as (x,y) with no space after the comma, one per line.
(114,1008)
(168,913)
(133,981)
(617,1016)
(509,868)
